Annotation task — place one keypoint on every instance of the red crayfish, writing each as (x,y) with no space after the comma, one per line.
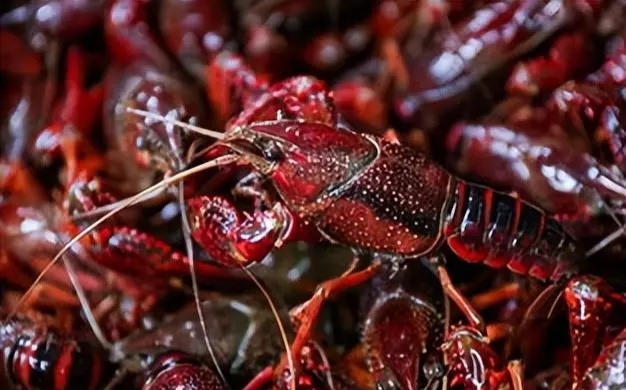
(357,190)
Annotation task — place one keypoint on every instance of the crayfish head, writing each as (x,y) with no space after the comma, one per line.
(306,161)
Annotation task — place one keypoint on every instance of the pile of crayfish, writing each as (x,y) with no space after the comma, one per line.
(323,195)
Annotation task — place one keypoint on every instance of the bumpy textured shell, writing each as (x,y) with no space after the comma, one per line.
(394,205)
(179,371)
(609,372)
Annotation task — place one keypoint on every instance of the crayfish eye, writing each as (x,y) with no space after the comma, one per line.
(272,152)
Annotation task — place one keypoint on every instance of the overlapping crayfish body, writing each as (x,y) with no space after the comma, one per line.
(38,358)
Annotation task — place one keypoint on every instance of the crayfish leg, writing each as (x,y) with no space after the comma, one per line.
(136,253)
(306,315)
(453,293)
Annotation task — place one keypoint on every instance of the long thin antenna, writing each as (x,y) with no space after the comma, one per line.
(606,241)
(188,126)
(281,328)
(259,162)
(194,279)
(108,207)
(621,230)
(82,297)
(223,160)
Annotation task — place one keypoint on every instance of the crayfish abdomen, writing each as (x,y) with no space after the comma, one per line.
(482,225)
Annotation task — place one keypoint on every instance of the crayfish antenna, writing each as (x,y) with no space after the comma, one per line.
(84,302)
(621,230)
(281,328)
(194,280)
(101,210)
(137,198)
(172,121)
(606,241)
(552,295)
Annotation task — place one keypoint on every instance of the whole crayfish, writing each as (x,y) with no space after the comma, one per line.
(364,192)
(358,190)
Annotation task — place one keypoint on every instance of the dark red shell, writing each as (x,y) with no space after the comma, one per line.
(400,195)
(609,372)
(317,159)
(35,357)
(472,362)
(399,331)
(178,371)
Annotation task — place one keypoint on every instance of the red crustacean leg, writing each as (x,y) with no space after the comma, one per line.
(306,314)
(313,373)
(81,107)
(131,251)
(45,294)
(261,380)
(137,253)
(231,238)
(495,296)
(591,303)
(438,263)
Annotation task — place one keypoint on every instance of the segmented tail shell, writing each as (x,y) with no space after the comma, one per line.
(37,358)
(482,225)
